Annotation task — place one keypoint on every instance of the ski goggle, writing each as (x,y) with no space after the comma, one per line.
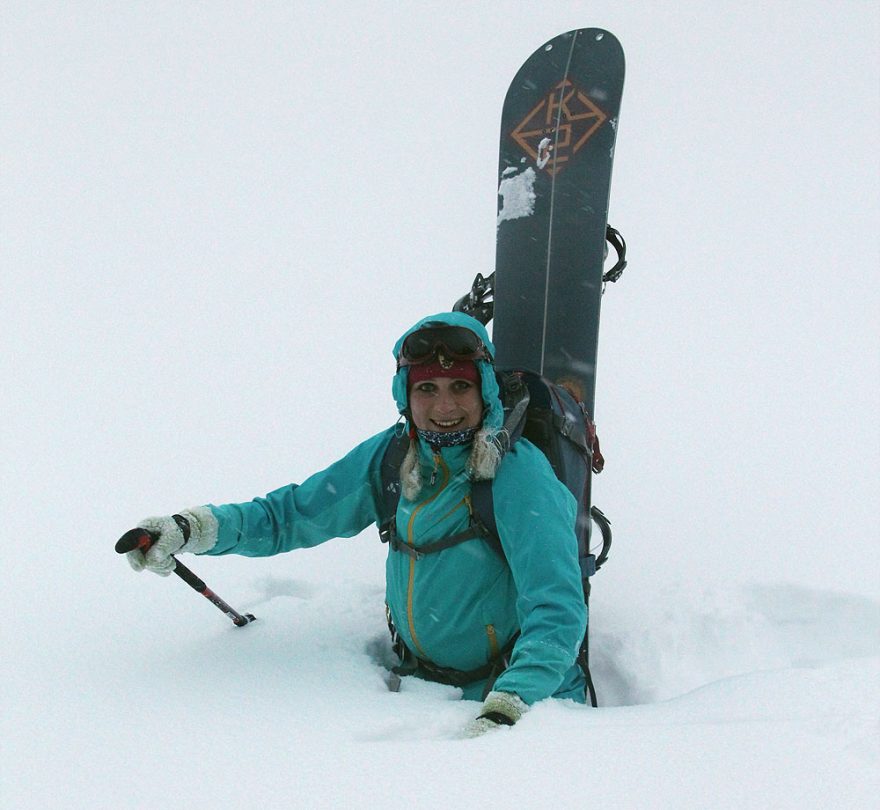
(453,342)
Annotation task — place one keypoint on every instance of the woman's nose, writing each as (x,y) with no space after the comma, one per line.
(445,402)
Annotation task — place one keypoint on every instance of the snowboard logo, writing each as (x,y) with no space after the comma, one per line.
(565,115)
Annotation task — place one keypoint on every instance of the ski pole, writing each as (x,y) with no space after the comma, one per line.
(143,539)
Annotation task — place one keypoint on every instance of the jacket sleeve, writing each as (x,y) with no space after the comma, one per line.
(340,501)
(535,515)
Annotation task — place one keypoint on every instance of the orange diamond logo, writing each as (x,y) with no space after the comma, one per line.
(558,127)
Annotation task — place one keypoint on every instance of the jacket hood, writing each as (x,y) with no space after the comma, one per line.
(493,418)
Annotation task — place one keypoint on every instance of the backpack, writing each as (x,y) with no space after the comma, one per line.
(548,416)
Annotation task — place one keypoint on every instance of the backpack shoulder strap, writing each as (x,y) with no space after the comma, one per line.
(515,399)
(483,505)
(514,393)
(389,470)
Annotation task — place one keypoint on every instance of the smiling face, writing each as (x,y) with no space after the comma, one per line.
(446,404)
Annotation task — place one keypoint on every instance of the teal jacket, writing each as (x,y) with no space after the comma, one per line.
(459,607)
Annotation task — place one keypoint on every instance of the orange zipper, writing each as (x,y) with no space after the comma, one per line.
(493,641)
(438,461)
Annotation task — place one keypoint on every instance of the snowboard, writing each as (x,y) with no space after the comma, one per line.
(558,128)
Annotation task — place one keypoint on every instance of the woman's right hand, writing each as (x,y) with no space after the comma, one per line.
(170,538)
(193,531)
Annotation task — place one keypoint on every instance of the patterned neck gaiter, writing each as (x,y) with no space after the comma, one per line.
(438,438)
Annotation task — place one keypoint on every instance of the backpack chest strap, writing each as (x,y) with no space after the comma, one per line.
(388,534)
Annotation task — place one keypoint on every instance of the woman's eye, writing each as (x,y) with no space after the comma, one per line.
(462,385)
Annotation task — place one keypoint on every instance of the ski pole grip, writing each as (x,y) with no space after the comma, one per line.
(135,539)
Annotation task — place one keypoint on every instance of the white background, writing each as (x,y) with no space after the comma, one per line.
(216,220)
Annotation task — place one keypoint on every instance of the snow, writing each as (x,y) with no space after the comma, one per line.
(197,309)
(749,695)
(517,192)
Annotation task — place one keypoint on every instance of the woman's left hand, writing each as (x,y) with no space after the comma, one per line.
(499,709)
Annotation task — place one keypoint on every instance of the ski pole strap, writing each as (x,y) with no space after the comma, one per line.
(614,238)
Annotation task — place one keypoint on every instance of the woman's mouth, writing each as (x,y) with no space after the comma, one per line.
(447,424)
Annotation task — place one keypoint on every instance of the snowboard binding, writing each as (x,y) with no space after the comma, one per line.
(479,302)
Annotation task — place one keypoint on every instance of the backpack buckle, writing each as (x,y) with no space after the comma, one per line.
(588,566)
(388,530)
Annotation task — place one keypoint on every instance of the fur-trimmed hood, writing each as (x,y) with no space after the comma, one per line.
(486,448)
(493,418)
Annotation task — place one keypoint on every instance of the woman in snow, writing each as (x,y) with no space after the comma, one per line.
(505,627)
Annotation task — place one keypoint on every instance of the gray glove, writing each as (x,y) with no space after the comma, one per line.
(192,531)
(499,709)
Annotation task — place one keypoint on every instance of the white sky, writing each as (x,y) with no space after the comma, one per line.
(217,217)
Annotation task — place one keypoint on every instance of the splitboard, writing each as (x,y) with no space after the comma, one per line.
(558,130)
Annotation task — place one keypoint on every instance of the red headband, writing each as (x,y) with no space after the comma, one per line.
(459,369)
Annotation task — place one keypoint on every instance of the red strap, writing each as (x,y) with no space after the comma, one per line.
(598,458)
